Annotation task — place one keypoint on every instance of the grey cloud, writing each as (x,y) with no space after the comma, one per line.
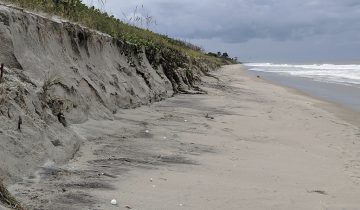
(243,20)
(275,20)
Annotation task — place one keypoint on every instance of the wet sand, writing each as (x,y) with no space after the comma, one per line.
(247,144)
(344,95)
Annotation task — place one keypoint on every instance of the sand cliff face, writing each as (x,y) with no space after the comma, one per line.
(53,67)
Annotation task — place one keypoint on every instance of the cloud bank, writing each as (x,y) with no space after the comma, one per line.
(240,22)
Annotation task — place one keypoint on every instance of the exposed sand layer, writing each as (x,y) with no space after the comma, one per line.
(59,73)
(247,144)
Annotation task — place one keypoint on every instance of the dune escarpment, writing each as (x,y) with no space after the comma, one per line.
(59,73)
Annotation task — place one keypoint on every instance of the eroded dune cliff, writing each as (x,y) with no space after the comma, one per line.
(58,73)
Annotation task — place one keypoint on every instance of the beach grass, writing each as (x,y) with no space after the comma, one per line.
(77,11)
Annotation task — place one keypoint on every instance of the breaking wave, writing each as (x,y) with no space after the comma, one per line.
(342,74)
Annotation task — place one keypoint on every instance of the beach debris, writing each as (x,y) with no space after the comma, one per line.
(56,143)
(181,204)
(322,192)
(1,72)
(164,137)
(208,116)
(109,175)
(185,120)
(61,119)
(147,131)
(258,76)
(113,202)
(106,174)
(128,207)
(19,123)
(151,179)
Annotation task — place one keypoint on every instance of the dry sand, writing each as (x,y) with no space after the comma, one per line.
(247,144)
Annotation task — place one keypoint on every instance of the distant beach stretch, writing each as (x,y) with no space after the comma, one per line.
(331,73)
(335,83)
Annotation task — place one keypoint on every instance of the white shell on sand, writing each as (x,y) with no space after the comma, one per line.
(113,202)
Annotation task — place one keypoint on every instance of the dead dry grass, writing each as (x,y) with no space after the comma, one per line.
(7,199)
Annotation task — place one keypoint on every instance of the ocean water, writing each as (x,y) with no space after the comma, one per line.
(330,73)
(334,83)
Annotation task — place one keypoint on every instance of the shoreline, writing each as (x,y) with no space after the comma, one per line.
(247,144)
(341,110)
(339,94)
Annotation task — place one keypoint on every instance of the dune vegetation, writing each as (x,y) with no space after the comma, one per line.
(77,11)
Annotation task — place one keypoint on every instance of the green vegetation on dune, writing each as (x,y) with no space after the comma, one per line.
(75,10)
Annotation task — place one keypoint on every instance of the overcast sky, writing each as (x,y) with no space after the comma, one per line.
(258,30)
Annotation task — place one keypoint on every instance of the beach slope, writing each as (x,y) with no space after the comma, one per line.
(247,144)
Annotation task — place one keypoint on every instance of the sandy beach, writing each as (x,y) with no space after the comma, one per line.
(247,144)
